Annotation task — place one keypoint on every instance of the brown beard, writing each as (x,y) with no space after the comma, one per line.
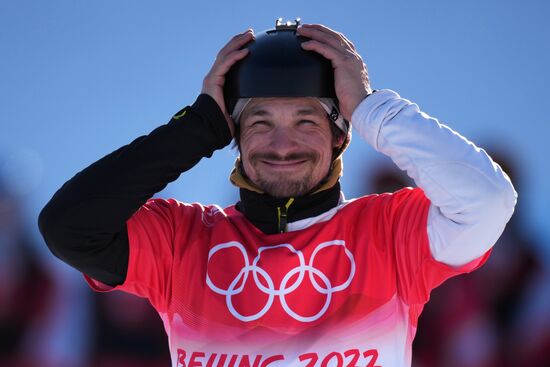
(283,185)
(282,188)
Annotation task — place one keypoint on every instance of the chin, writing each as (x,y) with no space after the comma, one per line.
(285,189)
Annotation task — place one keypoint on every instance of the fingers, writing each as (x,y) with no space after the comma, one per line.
(324,34)
(350,73)
(237,42)
(232,52)
(226,62)
(227,56)
(214,81)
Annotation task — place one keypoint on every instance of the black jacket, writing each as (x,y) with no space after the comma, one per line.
(84,224)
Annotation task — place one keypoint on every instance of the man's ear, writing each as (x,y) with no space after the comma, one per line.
(338,140)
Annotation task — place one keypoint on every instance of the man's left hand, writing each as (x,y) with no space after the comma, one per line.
(351,79)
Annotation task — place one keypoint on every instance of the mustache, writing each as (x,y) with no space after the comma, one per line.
(272,156)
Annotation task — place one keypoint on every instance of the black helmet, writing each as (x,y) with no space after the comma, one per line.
(277,66)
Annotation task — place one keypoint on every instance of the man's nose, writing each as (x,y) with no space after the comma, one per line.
(284,141)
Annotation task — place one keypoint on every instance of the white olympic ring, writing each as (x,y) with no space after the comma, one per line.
(270,289)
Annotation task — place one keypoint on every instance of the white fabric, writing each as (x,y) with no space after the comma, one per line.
(306,222)
(472,198)
(333,112)
(239,108)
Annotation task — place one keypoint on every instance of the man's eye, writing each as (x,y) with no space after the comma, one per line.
(259,123)
(306,122)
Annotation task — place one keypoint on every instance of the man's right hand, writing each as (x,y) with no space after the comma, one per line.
(213,81)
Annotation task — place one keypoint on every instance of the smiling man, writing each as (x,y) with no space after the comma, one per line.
(286,145)
(293,274)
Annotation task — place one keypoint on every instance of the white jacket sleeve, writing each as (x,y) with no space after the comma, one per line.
(471,198)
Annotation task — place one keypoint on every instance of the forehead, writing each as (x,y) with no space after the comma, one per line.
(277,105)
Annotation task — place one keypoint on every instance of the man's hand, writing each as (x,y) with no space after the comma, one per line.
(351,78)
(213,81)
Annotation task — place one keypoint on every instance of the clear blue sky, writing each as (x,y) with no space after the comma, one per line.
(80,78)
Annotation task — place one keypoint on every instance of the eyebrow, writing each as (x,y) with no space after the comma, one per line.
(262,112)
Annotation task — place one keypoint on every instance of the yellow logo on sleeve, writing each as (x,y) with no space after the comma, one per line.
(177,117)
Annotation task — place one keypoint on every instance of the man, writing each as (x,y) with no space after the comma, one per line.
(293,274)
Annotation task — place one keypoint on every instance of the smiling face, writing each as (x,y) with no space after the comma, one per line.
(286,144)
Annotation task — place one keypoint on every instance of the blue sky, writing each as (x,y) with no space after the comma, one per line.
(79,79)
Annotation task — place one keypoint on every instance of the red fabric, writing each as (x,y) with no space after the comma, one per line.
(373,252)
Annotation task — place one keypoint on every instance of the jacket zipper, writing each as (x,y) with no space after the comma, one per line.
(282,220)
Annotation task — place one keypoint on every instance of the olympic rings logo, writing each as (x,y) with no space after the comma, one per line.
(268,287)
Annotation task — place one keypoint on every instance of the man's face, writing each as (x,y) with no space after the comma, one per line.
(286,144)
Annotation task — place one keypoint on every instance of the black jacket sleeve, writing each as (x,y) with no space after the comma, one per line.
(84,224)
